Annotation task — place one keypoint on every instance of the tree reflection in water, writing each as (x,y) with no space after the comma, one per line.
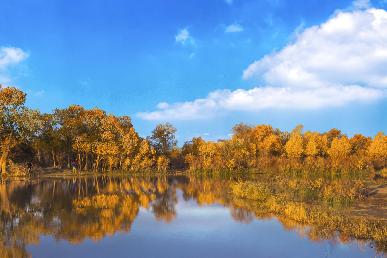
(75,209)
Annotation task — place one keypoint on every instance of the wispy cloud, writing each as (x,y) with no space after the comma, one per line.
(192,55)
(233,28)
(35,93)
(361,4)
(184,37)
(341,61)
(229,2)
(9,56)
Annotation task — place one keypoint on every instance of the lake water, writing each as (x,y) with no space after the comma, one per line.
(174,216)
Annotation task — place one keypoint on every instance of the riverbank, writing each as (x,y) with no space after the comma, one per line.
(370,203)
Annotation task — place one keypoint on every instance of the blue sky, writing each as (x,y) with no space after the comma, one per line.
(127,57)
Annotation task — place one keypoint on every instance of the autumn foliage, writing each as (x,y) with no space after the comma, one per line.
(92,140)
(263,146)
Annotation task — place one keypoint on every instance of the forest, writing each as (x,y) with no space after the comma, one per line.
(96,141)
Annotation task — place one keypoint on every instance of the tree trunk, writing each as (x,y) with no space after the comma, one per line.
(4,205)
(79,161)
(39,157)
(97,164)
(53,158)
(4,156)
(86,162)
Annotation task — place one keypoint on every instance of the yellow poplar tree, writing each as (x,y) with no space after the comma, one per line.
(340,148)
(294,147)
(378,150)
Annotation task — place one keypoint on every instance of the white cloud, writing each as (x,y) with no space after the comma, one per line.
(350,48)
(257,99)
(184,37)
(9,56)
(233,28)
(341,61)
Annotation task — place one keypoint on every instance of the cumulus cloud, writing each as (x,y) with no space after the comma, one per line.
(233,28)
(340,61)
(9,56)
(350,48)
(184,37)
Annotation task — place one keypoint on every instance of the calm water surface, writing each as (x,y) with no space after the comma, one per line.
(150,217)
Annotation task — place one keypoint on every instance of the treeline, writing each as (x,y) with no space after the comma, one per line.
(92,139)
(263,146)
(95,140)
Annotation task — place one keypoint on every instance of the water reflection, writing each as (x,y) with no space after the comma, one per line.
(77,210)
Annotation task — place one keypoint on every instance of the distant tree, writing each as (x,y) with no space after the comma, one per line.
(260,132)
(340,148)
(378,150)
(162,163)
(359,144)
(145,157)
(241,131)
(130,143)
(316,144)
(69,123)
(210,155)
(295,147)
(332,134)
(191,151)
(298,129)
(47,141)
(234,154)
(17,123)
(163,139)
(192,147)
(272,145)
